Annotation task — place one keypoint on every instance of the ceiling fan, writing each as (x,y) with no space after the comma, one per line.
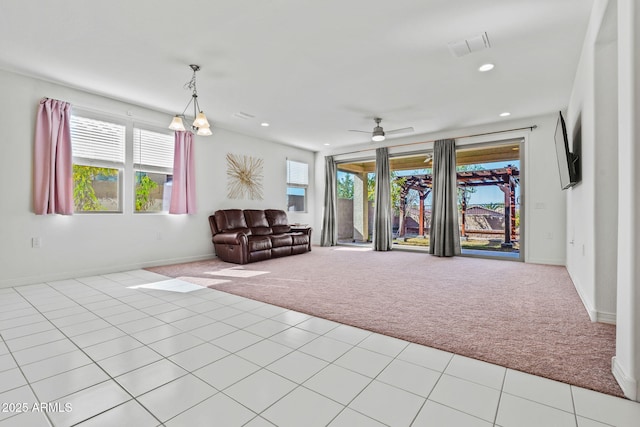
(378,133)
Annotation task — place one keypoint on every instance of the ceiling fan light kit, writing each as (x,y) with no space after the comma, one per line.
(379,134)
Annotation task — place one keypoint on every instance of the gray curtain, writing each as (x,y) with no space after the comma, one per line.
(444,237)
(382,233)
(329,235)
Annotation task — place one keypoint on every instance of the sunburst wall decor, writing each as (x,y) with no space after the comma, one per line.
(244,177)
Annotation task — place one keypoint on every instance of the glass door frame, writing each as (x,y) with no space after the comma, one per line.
(520,141)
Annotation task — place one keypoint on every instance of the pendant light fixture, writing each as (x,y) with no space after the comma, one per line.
(200,124)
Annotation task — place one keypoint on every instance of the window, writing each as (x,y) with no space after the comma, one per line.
(297,183)
(98,149)
(107,153)
(153,170)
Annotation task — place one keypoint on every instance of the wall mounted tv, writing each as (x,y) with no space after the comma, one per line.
(568,162)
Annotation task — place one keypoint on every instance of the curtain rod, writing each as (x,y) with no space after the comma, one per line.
(532,127)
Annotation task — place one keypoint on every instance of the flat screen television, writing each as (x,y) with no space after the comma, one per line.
(567,162)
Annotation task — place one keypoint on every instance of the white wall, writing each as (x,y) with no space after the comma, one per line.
(542,199)
(592,206)
(604,209)
(98,243)
(626,363)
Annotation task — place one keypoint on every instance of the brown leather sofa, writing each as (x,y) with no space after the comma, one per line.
(243,236)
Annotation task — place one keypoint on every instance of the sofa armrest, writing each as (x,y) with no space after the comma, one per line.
(231,238)
(300,229)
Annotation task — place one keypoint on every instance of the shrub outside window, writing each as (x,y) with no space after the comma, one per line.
(98,149)
(153,168)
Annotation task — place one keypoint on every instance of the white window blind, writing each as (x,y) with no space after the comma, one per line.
(152,148)
(297,173)
(96,139)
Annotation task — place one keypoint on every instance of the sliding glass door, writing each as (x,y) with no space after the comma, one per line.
(489,196)
(411,199)
(356,186)
(489,184)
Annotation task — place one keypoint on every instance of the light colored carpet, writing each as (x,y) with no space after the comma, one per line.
(526,317)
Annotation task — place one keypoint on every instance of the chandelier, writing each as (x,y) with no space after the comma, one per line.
(200,124)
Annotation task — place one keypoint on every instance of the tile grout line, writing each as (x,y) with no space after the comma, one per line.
(28,384)
(504,380)
(188,372)
(94,362)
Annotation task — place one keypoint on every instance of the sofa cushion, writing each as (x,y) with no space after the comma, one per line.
(279,240)
(278,220)
(230,219)
(300,238)
(260,255)
(261,231)
(282,251)
(255,218)
(259,243)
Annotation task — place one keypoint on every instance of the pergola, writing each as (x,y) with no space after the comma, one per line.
(506,179)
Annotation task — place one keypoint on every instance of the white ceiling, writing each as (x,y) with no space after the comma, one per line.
(313,69)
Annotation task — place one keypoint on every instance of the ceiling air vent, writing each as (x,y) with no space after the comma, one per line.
(243,115)
(469,45)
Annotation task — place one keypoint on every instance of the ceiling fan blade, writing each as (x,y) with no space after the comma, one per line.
(403,130)
(363,131)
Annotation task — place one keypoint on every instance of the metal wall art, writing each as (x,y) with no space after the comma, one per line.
(244,177)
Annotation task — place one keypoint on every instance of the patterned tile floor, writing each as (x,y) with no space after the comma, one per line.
(139,349)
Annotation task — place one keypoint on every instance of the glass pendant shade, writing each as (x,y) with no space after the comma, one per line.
(201,121)
(204,131)
(176,124)
(378,136)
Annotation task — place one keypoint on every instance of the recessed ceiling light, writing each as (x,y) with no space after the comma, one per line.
(485,67)
(326,143)
(264,124)
(505,114)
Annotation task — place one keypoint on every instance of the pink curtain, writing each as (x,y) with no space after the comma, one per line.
(183,193)
(53,178)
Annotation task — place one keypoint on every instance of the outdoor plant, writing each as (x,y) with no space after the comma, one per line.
(84,195)
(345,187)
(143,192)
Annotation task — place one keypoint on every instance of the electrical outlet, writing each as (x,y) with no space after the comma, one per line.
(36,242)
(159,235)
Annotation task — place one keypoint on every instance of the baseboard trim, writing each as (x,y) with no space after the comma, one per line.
(604,317)
(39,278)
(544,261)
(628,385)
(593,314)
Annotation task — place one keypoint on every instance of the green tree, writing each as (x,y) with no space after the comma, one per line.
(494,206)
(396,189)
(84,195)
(143,192)
(345,186)
(464,192)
